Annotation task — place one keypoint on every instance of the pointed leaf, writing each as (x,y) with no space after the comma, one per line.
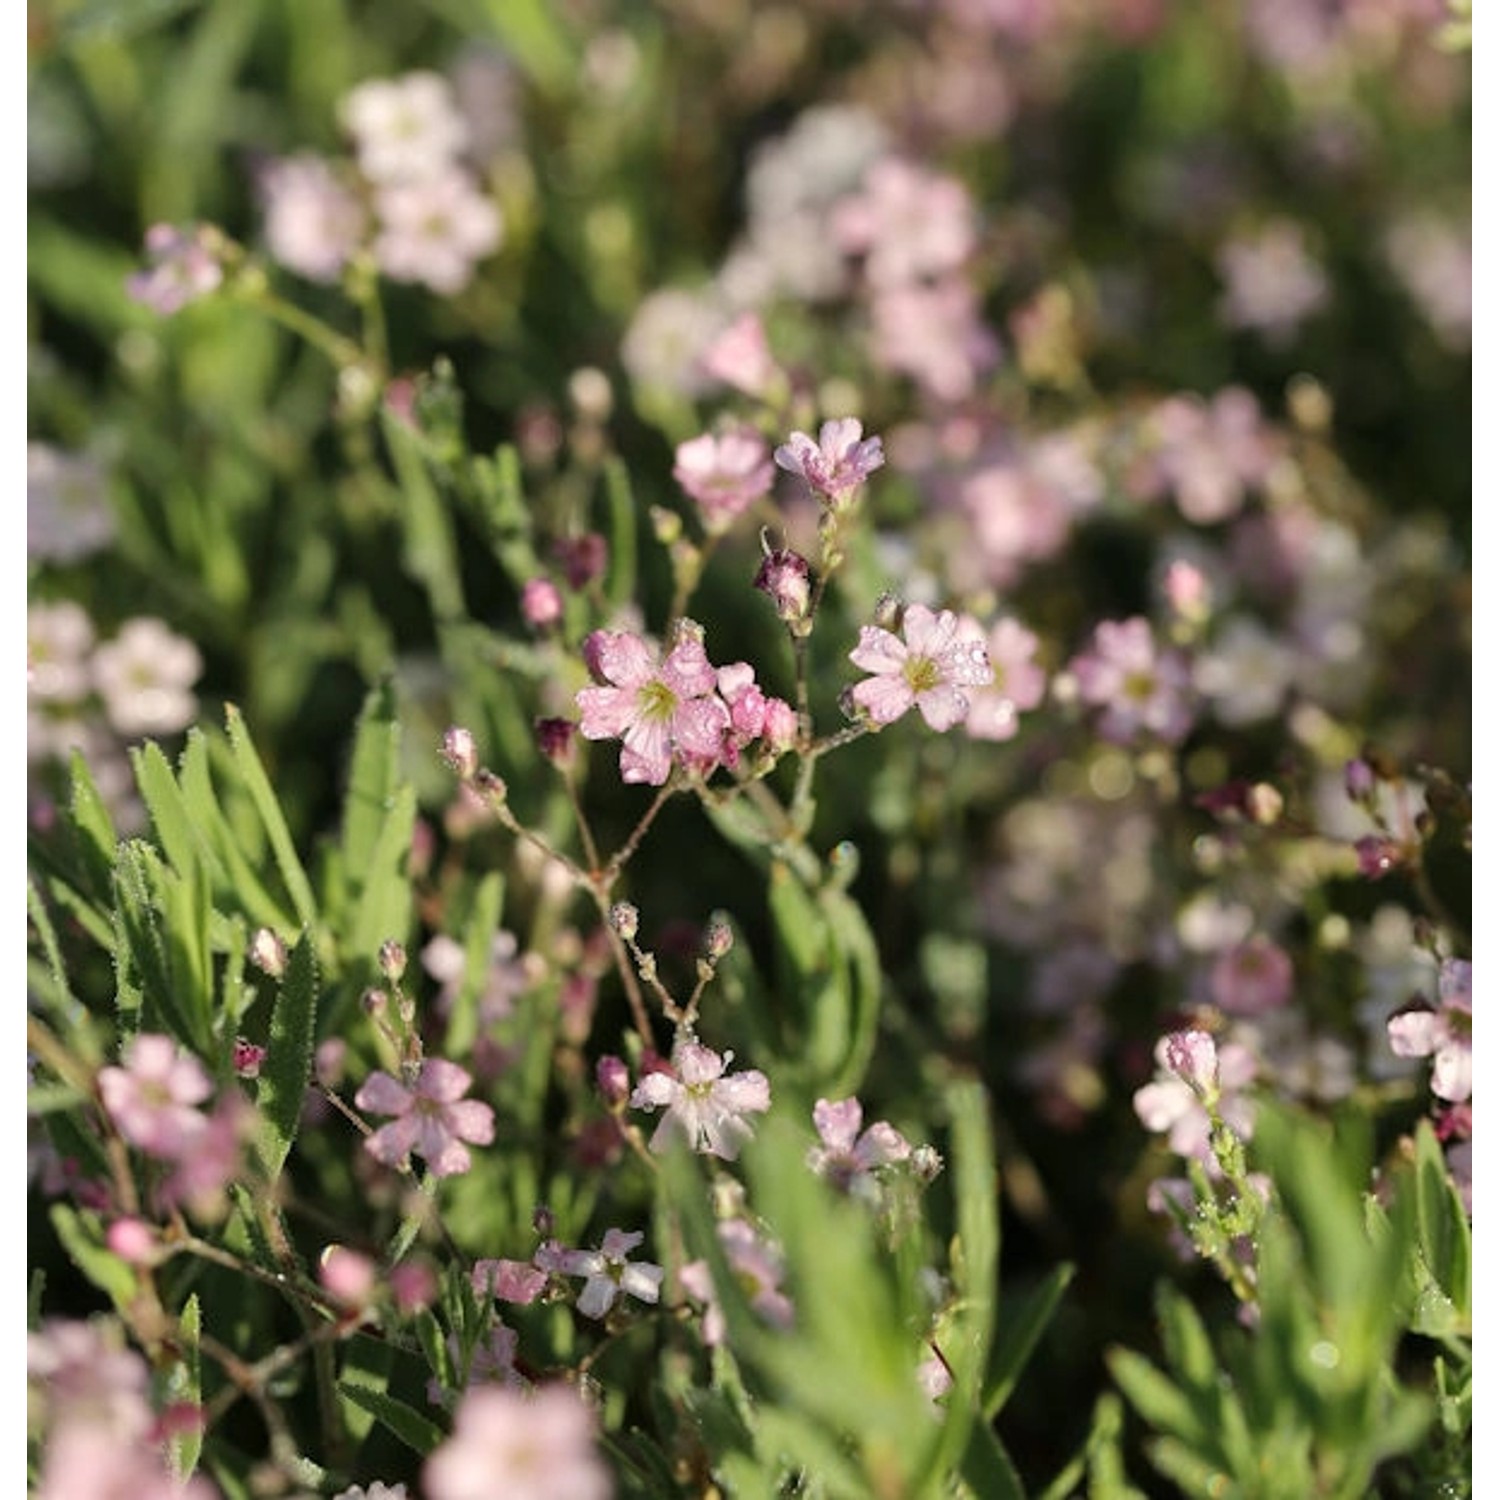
(418,1433)
(1022,1322)
(184,1383)
(374,772)
(287,1067)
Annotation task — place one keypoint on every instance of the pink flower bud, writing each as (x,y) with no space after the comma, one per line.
(1194,1058)
(613,1079)
(625,920)
(541,603)
(347,1276)
(133,1240)
(554,738)
(784,577)
(248,1057)
(392,960)
(268,953)
(460,753)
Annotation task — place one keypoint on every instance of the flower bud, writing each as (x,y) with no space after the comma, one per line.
(554,738)
(541,603)
(268,953)
(460,754)
(625,920)
(718,939)
(613,1079)
(583,558)
(785,578)
(247,1058)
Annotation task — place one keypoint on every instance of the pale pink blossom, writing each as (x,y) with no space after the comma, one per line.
(314,221)
(1445,1034)
(1138,686)
(201,1175)
(1017,686)
(68,513)
(1271,283)
(837,464)
(1209,454)
(538,1446)
(757,1269)
(404,129)
(741,357)
(1190,1066)
(1252,978)
(434,230)
(183,266)
(907,222)
(609,1275)
(83,1375)
(541,602)
(704,1105)
(847,1157)
(935,334)
(433,1119)
(59,645)
(519,1281)
(145,676)
(152,1096)
(84,1462)
(725,473)
(930,668)
(752,714)
(659,711)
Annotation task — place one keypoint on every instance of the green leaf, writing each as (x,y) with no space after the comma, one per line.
(532,32)
(410,1426)
(94,835)
(1021,1325)
(66,1005)
(80,1238)
(430,553)
(374,772)
(1443,1231)
(385,906)
(287,1066)
(151,997)
(366,1364)
(1154,1395)
(253,774)
(184,1383)
(619,580)
(180,839)
(987,1467)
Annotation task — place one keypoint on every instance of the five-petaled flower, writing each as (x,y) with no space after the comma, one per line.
(610,1275)
(845,1156)
(837,464)
(702,1104)
(152,1097)
(433,1119)
(659,710)
(1445,1034)
(930,668)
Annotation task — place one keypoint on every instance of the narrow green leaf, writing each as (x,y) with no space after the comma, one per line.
(1022,1322)
(289,1051)
(366,1363)
(1185,1340)
(385,906)
(254,775)
(430,553)
(866,985)
(987,1466)
(374,770)
(1153,1394)
(66,1005)
(180,839)
(407,1424)
(1442,1225)
(532,32)
(94,835)
(151,991)
(184,1383)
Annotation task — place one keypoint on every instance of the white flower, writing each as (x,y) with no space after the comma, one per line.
(435,230)
(145,676)
(703,1105)
(67,508)
(404,128)
(610,1275)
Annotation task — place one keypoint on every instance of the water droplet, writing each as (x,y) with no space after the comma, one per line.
(1324,1355)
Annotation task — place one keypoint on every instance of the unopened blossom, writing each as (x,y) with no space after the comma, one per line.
(145,676)
(704,1105)
(541,603)
(1187,1069)
(537,1446)
(68,514)
(660,711)
(785,578)
(1252,978)
(1271,283)
(725,473)
(753,715)
(758,1270)
(184,266)
(609,1275)
(152,1097)
(435,230)
(404,129)
(847,1156)
(837,464)
(1445,1034)
(314,221)
(1137,685)
(433,1119)
(930,668)
(1018,683)
(906,223)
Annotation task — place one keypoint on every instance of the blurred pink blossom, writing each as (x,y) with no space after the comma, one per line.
(726,473)
(1138,685)
(183,265)
(434,230)
(152,1096)
(314,221)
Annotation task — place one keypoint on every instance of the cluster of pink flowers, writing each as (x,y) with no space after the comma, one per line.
(679,710)
(152,1099)
(183,265)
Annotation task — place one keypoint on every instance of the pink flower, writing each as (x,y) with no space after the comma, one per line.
(524,1447)
(201,1174)
(1445,1034)
(837,464)
(314,221)
(1188,1065)
(703,1106)
(658,710)
(929,669)
(1018,683)
(741,357)
(609,1275)
(908,223)
(845,1157)
(1271,283)
(725,474)
(1252,978)
(151,1098)
(435,230)
(83,1462)
(935,334)
(184,266)
(1137,686)
(82,1376)
(752,715)
(405,129)
(518,1281)
(756,1267)
(541,603)
(433,1118)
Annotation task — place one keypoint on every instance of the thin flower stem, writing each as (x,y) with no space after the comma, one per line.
(585,832)
(627,849)
(340,351)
